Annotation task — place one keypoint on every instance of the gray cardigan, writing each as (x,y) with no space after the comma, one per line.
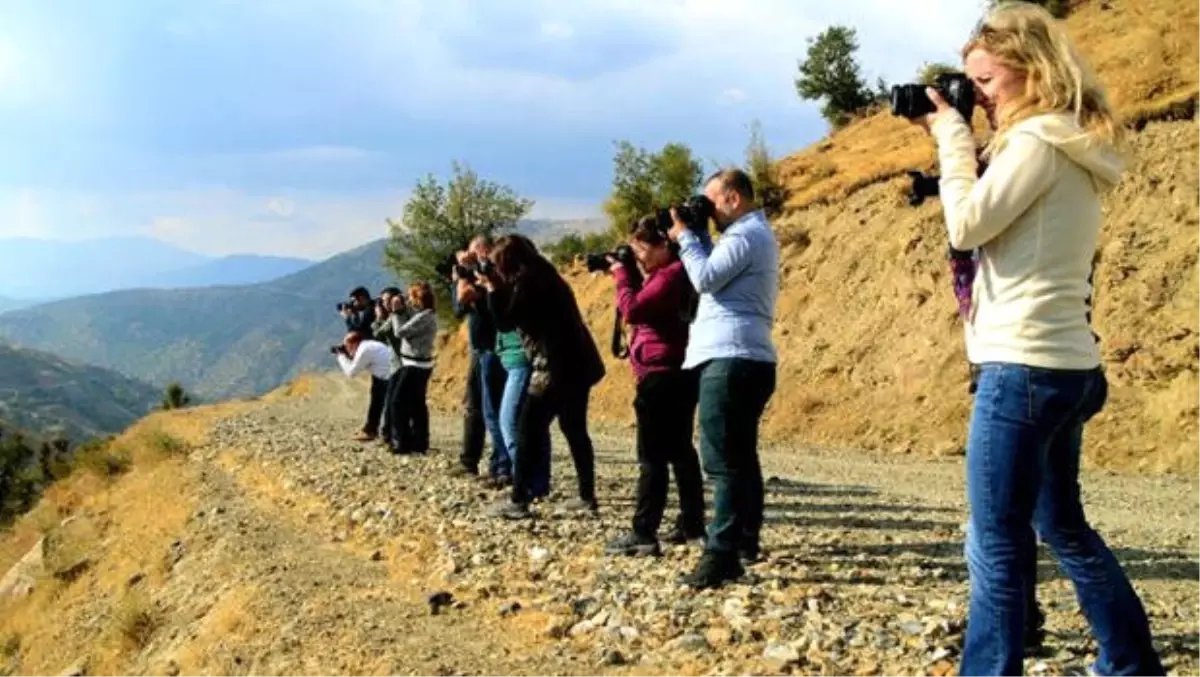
(416,333)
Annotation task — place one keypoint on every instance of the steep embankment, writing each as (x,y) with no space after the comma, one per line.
(870,344)
(258,538)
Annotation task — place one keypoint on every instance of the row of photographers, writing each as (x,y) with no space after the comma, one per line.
(1023,230)
(392,339)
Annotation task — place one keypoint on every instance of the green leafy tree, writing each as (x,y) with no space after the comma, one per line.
(644,181)
(441,218)
(831,73)
(763,172)
(175,397)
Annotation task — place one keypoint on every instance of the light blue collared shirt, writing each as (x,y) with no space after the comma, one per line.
(738,282)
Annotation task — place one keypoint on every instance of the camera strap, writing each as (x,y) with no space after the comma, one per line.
(619,349)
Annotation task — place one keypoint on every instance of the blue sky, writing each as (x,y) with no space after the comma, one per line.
(296,126)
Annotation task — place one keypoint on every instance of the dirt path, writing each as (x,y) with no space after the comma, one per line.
(296,550)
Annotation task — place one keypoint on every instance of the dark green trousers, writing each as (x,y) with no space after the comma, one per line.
(733,395)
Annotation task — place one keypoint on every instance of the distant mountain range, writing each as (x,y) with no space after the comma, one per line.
(33,269)
(218,341)
(48,395)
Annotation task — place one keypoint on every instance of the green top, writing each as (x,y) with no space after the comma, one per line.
(510,350)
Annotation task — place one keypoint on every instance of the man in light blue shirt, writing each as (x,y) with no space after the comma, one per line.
(731,346)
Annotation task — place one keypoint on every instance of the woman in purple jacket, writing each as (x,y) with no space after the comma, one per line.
(658,313)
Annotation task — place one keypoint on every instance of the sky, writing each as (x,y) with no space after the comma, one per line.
(297,127)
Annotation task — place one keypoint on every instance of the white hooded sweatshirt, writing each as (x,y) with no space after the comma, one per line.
(1035,216)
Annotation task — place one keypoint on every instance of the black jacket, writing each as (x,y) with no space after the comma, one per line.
(361,321)
(542,309)
(481,329)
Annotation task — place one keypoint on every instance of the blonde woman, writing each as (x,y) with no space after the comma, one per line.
(1035,217)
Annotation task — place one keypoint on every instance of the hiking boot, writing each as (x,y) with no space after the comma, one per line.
(713,570)
(633,544)
(681,536)
(510,510)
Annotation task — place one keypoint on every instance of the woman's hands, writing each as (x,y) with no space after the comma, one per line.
(940,108)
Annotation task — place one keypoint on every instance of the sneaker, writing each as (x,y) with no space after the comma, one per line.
(713,570)
(460,470)
(633,544)
(510,510)
(364,436)
(680,536)
(580,505)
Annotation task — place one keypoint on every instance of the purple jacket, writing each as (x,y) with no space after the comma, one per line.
(657,317)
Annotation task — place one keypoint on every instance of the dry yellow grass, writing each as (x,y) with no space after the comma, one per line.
(122,525)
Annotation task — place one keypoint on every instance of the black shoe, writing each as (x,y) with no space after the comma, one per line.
(633,544)
(751,556)
(681,536)
(713,570)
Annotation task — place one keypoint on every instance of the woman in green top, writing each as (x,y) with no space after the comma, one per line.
(516,363)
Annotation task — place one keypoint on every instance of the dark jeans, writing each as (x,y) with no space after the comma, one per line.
(733,395)
(665,407)
(569,405)
(387,428)
(379,391)
(1023,452)
(481,413)
(410,415)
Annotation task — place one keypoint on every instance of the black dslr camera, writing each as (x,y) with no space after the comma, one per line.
(338,349)
(694,212)
(599,262)
(911,101)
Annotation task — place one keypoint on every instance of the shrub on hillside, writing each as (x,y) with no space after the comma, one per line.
(831,73)
(175,397)
(763,173)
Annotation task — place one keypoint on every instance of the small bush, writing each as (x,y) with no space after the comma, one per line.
(135,619)
(165,444)
(175,397)
(102,459)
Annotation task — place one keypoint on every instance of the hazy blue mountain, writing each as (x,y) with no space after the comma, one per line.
(32,268)
(47,395)
(239,269)
(218,341)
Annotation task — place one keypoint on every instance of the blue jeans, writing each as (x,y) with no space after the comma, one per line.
(1023,452)
(510,410)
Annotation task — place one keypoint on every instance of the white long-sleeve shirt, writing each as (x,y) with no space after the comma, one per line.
(371,356)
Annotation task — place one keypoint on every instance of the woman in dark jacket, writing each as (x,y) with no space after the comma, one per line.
(657,311)
(528,295)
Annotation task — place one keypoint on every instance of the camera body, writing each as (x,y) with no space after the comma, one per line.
(624,254)
(694,212)
(911,101)
(338,349)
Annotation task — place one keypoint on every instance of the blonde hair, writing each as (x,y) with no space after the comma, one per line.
(1026,38)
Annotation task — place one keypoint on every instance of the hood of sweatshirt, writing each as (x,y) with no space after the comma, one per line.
(1100,159)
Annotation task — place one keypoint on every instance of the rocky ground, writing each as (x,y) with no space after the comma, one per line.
(279,546)
(864,574)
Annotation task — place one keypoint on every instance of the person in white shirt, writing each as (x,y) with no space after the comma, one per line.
(357,355)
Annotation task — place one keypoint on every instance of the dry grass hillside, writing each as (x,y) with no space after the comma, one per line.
(870,345)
